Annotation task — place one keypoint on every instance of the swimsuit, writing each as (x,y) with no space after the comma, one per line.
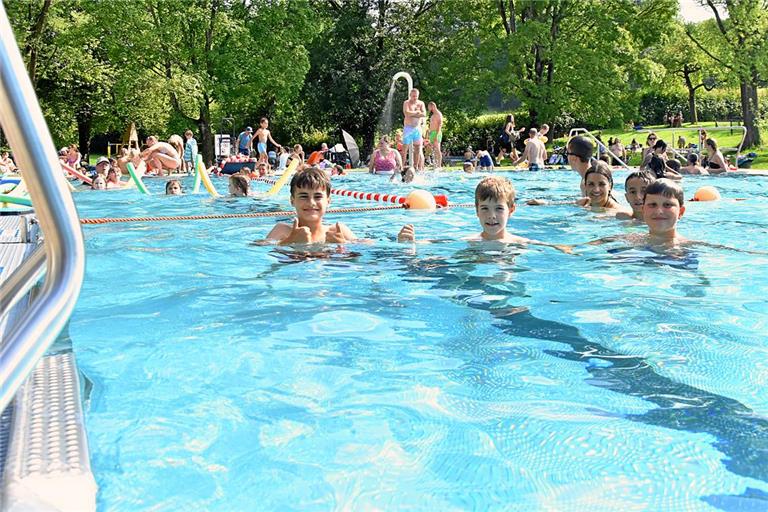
(435,135)
(411,135)
(261,147)
(485,161)
(384,164)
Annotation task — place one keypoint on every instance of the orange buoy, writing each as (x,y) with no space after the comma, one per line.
(706,193)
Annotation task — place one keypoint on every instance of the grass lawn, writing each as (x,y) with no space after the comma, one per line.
(725,138)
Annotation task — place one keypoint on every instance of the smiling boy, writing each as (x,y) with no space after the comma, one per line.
(663,206)
(494,205)
(310,196)
(634,190)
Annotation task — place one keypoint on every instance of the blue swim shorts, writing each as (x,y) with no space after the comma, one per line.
(411,135)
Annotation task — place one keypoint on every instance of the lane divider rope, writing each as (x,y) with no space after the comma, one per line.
(366,196)
(283,213)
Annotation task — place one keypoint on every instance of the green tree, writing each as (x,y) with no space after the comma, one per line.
(361,45)
(212,56)
(67,64)
(686,62)
(741,47)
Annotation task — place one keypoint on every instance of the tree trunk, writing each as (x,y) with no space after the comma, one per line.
(692,105)
(84,119)
(33,41)
(534,118)
(206,136)
(368,143)
(748,90)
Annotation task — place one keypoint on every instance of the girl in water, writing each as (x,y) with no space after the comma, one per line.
(173,188)
(598,185)
(239,185)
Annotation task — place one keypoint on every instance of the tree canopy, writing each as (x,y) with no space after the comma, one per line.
(317,66)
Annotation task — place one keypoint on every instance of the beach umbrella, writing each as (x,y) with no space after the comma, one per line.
(352,149)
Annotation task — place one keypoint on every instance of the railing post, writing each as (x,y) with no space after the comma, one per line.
(30,140)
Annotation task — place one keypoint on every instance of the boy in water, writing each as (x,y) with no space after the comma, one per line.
(262,135)
(634,190)
(663,206)
(494,205)
(310,196)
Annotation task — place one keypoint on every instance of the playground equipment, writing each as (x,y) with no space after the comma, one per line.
(130,140)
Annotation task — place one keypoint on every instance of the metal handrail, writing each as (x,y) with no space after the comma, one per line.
(28,135)
(578,131)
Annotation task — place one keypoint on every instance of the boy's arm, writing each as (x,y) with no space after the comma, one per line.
(269,136)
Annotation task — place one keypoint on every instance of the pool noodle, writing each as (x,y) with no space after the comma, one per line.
(71,170)
(284,178)
(137,179)
(203,174)
(19,192)
(198,178)
(7,198)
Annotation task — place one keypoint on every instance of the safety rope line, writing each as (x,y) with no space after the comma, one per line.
(283,213)
(366,196)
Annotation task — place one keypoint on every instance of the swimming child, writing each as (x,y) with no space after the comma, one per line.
(494,205)
(406,175)
(173,188)
(310,196)
(239,185)
(263,135)
(693,166)
(663,206)
(469,167)
(99,183)
(634,190)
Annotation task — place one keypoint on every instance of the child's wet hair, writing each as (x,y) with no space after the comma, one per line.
(495,188)
(241,182)
(581,147)
(312,178)
(693,158)
(667,188)
(656,165)
(169,184)
(647,178)
(601,168)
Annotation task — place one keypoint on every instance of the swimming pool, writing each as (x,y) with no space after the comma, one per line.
(444,376)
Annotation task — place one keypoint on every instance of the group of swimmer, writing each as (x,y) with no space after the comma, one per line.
(657,202)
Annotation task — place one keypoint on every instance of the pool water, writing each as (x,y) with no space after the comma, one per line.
(438,376)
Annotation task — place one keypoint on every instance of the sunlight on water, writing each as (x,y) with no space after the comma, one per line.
(432,376)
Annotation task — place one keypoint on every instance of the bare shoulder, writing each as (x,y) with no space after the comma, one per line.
(279,231)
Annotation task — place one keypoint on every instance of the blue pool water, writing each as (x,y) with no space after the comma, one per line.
(444,376)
